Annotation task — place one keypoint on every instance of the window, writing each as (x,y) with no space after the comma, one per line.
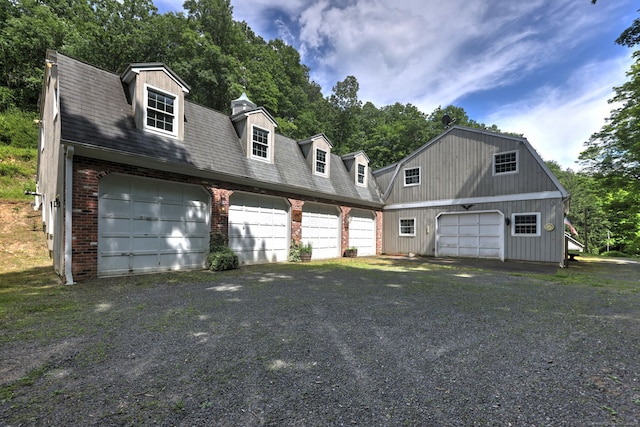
(411,177)
(505,163)
(361,179)
(527,224)
(160,111)
(407,226)
(321,161)
(260,145)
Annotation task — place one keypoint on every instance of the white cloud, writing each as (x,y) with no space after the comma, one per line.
(558,120)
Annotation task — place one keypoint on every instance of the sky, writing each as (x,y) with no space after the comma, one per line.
(542,68)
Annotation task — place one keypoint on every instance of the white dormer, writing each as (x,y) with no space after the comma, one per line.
(157,98)
(317,151)
(358,164)
(255,128)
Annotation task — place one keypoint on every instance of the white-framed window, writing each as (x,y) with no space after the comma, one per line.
(505,163)
(361,178)
(321,162)
(407,227)
(161,111)
(411,176)
(260,143)
(525,224)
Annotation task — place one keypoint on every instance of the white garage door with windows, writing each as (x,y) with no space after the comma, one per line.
(147,225)
(321,227)
(362,231)
(258,228)
(472,235)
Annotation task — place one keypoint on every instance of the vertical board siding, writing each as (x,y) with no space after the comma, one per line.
(460,166)
(548,247)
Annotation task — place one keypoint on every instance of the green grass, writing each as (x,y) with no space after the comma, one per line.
(17,171)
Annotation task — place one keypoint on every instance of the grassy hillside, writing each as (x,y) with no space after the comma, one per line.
(17,172)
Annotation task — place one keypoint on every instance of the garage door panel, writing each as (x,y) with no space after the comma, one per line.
(146,225)
(477,235)
(258,228)
(321,228)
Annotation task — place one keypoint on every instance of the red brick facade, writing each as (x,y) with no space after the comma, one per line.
(87,174)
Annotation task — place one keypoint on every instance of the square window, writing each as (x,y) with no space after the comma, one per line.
(160,111)
(407,226)
(361,174)
(505,163)
(260,145)
(321,161)
(411,176)
(525,224)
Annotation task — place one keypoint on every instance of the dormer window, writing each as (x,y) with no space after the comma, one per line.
(260,144)
(321,162)
(361,178)
(161,112)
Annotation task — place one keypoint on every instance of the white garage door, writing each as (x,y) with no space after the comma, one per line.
(148,225)
(258,228)
(475,235)
(321,227)
(362,231)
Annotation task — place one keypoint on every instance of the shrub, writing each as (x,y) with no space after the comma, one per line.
(294,252)
(221,257)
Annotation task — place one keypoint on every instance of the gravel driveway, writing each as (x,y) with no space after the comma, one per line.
(408,343)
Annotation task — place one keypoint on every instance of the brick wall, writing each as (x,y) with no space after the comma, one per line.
(87,174)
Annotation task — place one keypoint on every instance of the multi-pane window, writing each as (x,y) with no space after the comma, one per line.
(412,176)
(260,143)
(526,224)
(361,173)
(321,161)
(505,162)
(407,226)
(160,111)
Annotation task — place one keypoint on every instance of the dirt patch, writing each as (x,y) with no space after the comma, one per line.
(22,241)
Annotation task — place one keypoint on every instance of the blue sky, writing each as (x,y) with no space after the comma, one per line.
(542,68)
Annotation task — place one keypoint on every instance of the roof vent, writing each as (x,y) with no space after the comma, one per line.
(241,104)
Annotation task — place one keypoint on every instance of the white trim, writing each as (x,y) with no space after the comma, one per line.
(513,224)
(316,162)
(475,200)
(68,212)
(266,159)
(176,111)
(404,176)
(493,164)
(364,181)
(400,233)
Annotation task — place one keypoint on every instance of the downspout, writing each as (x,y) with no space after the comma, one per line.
(68,210)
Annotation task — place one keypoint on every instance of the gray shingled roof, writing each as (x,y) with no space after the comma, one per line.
(96,116)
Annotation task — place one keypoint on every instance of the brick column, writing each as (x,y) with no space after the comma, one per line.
(378,232)
(296,219)
(345,228)
(220,211)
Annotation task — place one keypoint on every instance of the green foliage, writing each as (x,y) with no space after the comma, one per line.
(17,171)
(298,248)
(17,128)
(221,257)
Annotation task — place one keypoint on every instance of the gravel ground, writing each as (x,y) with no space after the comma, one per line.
(411,343)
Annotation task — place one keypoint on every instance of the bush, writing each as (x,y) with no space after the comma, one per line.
(224,259)
(221,257)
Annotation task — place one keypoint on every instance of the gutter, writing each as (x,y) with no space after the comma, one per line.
(68,211)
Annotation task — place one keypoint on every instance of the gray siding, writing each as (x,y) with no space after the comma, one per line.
(460,165)
(548,247)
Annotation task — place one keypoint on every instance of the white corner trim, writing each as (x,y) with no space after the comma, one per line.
(68,212)
(475,200)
